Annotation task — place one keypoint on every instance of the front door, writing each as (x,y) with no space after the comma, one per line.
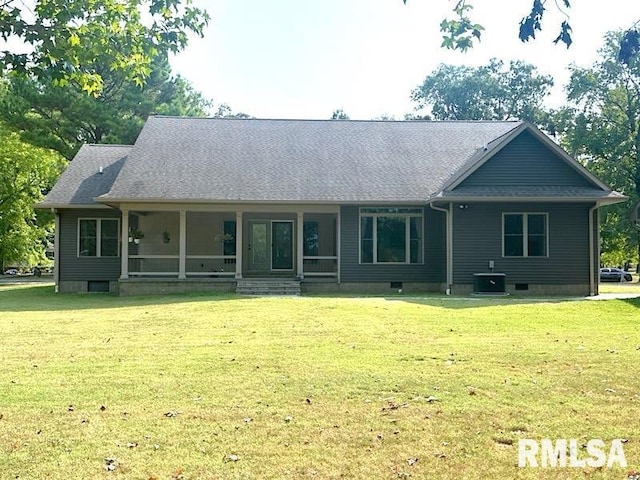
(270,246)
(282,245)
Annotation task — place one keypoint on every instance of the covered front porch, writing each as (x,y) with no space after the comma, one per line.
(230,242)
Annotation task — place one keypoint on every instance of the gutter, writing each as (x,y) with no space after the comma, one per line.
(449,228)
(605,200)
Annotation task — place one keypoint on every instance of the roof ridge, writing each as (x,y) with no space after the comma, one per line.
(253,119)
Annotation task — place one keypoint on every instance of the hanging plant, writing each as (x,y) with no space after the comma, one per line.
(135,235)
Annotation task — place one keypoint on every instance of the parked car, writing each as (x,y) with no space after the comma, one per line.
(11,271)
(614,275)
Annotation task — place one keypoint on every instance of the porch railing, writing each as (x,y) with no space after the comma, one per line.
(320,266)
(196,265)
(211,265)
(214,266)
(154,265)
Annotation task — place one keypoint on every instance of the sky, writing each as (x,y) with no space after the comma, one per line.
(303,59)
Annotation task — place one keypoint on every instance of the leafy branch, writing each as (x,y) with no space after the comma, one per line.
(71,40)
(629,45)
(460,33)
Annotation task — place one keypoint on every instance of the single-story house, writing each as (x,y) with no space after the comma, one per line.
(213,204)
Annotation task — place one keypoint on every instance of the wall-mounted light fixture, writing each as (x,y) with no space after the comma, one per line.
(166,238)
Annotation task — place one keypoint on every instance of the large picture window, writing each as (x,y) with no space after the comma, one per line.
(98,237)
(525,234)
(391,235)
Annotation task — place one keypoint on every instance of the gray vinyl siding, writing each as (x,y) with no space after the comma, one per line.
(526,161)
(74,268)
(433,269)
(477,234)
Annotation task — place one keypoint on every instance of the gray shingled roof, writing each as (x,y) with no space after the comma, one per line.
(178,159)
(82,181)
(196,159)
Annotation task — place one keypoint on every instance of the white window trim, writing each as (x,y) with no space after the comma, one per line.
(375,216)
(98,221)
(525,234)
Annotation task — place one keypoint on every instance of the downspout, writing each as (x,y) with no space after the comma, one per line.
(592,270)
(449,229)
(338,244)
(56,251)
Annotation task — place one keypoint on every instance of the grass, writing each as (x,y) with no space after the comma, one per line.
(224,387)
(624,287)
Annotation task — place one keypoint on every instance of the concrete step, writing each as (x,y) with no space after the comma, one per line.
(267,287)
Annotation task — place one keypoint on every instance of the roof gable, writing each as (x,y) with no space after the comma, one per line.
(525,164)
(526,161)
(525,157)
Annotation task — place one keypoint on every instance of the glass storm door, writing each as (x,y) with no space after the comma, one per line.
(282,245)
(258,247)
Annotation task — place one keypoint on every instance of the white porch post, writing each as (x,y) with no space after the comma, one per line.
(300,245)
(124,256)
(182,261)
(238,244)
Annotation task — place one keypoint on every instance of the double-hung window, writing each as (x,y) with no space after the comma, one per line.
(525,234)
(391,235)
(98,237)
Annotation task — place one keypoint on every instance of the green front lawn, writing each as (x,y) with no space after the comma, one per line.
(621,287)
(224,387)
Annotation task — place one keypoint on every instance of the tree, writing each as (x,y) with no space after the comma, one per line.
(490,92)
(601,127)
(77,41)
(339,114)
(225,111)
(461,32)
(26,172)
(385,117)
(64,117)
